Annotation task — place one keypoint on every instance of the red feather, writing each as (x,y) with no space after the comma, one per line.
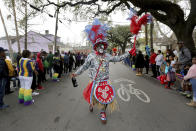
(136,26)
(114,49)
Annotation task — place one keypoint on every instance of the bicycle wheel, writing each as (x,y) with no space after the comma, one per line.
(123,94)
(141,95)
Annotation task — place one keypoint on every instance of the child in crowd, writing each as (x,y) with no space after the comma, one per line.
(170,75)
(191,75)
(173,62)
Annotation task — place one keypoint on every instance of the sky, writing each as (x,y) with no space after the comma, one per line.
(69,32)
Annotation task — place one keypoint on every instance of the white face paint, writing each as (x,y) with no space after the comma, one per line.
(100,49)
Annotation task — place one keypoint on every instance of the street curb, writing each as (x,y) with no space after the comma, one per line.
(176,84)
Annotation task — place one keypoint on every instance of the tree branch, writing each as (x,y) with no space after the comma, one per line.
(191,21)
(63,4)
(107,12)
(172,10)
(160,17)
(127,5)
(140,12)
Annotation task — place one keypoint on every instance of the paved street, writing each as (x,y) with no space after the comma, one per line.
(60,107)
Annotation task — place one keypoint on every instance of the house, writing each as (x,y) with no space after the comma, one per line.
(3,41)
(35,42)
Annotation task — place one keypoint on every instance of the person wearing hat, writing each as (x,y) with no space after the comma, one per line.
(4,74)
(184,55)
(99,91)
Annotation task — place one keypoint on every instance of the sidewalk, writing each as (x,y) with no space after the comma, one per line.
(176,85)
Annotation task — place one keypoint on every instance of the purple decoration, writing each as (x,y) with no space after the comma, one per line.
(21,101)
(26,103)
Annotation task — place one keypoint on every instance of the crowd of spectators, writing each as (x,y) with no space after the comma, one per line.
(169,68)
(30,70)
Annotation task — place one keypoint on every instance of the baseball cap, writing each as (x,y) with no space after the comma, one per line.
(2,49)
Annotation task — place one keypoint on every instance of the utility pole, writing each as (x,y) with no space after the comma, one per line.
(16,26)
(56,28)
(7,36)
(26,25)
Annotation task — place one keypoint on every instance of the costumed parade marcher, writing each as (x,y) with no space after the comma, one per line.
(99,90)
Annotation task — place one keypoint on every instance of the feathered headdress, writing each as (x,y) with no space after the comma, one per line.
(96,33)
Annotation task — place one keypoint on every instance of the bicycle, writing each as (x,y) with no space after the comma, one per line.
(125,94)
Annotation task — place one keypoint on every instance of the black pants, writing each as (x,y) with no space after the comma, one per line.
(147,67)
(169,83)
(61,70)
(66,67)
(154,70)
(70,68)
(7,86)
(44,75)
(82,62)
(3,82)
(40,77)
(158,70)
(34,85)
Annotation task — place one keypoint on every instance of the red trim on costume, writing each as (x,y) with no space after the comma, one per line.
(88,89)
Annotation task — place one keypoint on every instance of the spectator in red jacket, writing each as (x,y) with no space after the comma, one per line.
(153,63)
(40,70)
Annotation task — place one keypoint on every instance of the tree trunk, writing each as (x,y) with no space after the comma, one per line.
(187,38)
(151,34)
(26,26)
(146,33)
(7,36)
(16,26)
(123,48)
